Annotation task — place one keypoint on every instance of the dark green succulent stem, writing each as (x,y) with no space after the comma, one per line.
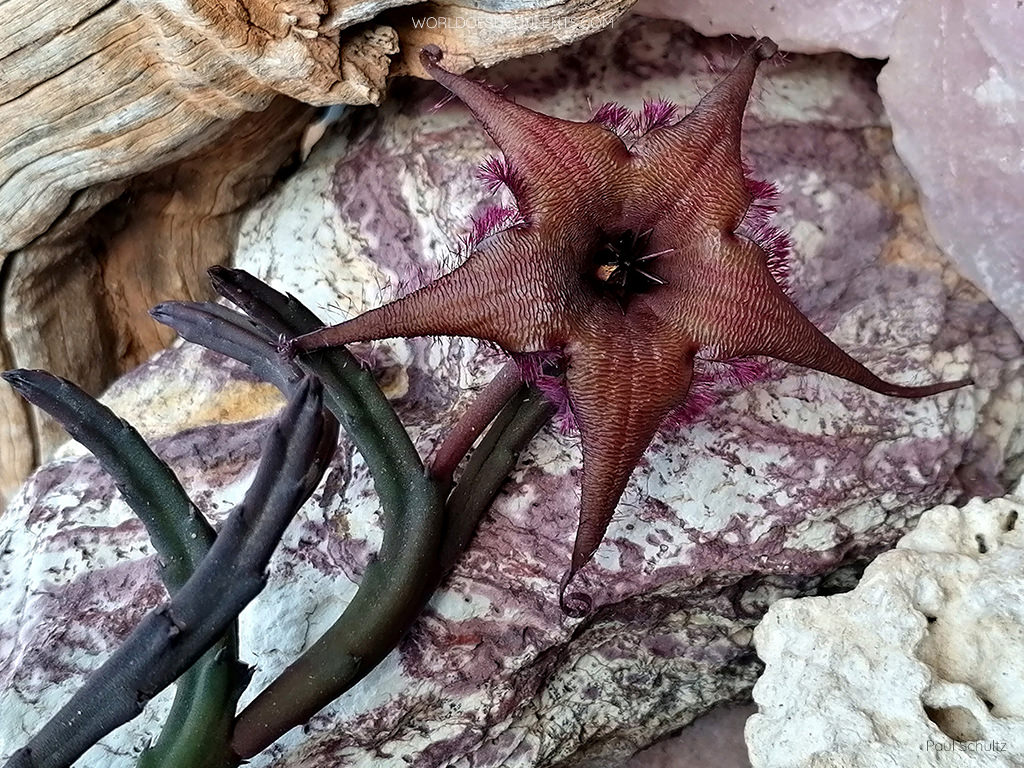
(207,695)
(489,467)
(180,535)
(197,731)
(399,581)
(351,392)
(172,637)
(422,536)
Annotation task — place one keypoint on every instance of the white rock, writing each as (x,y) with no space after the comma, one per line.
(921,665)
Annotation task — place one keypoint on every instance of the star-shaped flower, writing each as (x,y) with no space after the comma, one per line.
(636,251)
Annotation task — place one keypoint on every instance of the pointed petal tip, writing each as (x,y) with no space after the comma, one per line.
(291,347)
(764,49)
(287,348)
(927,390)
(463,89)
(430,57)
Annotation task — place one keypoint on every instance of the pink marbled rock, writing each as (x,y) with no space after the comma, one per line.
(953,88)
(767,495)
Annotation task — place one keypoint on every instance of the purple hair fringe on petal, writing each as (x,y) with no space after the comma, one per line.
(493,219)
(712,379)
(497,172)
(757,226)
(554,389)
(623,121)
(698,401)
(538,368)
(615,117)
(655,114)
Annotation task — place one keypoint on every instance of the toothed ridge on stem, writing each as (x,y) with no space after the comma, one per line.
(295,455)
(370,626)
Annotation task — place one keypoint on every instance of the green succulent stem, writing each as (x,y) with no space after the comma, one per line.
(198,730)
(423,535)
(522,417)
(179,533)
(399,581)
(172,637)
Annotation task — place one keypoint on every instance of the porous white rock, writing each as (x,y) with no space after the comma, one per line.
(953,87)
(921,665)
(764,496)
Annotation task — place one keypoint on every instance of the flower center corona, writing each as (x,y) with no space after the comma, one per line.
(624,265)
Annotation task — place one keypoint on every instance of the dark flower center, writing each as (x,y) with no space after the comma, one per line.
(624,265)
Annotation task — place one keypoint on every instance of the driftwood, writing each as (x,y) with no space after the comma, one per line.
(76,300)
(132,135)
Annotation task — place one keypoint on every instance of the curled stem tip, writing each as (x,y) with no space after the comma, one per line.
(575,605)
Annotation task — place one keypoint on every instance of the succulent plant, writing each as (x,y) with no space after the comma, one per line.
(428,520)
